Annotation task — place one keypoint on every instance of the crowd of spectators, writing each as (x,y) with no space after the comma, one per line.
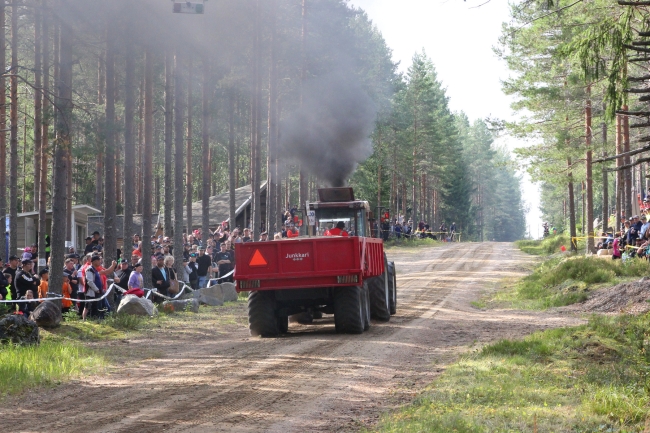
(633,239)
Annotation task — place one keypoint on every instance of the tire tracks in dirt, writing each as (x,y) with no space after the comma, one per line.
(312,379)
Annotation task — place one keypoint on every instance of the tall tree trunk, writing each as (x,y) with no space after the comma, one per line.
(620,190)
(628,171)
(232,185)
(605,216)
(302,181)
(139,168)
(590,192)
(99,169)
(3,134)
(572,209)
(130,90)
(257,199)
(110,199)
(179,188)
(38,102)
(43,172)
(68,203)
(205,149)
(13,115)
(62,144)
(148,166)
(271,153)
(415,173)
(188,156)
(169,119)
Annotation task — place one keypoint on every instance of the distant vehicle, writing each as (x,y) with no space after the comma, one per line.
(348,276)
(189,7)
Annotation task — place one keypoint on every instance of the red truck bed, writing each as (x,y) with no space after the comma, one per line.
(307,263)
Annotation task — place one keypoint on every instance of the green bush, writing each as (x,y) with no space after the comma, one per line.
(124,322)
(591,378)
(563,280)
(546,246)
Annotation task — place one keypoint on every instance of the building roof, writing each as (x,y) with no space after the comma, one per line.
(219,206)
(97,223)
(79,208)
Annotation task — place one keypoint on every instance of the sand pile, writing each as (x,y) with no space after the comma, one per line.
(630,298)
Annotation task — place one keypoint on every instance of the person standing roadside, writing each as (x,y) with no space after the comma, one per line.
(25,281)
(204,264)
(224,260)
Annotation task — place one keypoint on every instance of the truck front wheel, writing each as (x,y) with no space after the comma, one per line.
(392,286)
(262,319)
(349,310)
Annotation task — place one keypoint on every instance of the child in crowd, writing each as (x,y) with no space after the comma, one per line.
(136,282)
(44,275)
(66,291)
(9,280)
(616,250)
(27,254)
(26,308)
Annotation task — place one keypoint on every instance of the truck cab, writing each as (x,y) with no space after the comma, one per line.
(338,205)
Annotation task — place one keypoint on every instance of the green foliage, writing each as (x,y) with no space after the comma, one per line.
(46,364)
(419,141)
(124,322)
(546,246)
(591,378)
(563,281)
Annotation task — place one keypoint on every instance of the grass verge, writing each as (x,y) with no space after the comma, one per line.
(592,378)
(47,364)
(546,246)
(565,280)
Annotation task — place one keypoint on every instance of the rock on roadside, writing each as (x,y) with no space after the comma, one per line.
(47,315)
(211,296)
(137,306)
(181,305)
(17,329)
(229,292)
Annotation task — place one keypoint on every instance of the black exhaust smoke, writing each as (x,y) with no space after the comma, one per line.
(330,133)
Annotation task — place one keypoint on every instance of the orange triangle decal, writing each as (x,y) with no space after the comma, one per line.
(258,259)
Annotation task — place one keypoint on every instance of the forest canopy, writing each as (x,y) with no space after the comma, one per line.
(135,110)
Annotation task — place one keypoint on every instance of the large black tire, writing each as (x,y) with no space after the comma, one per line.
(348,310)
(283,324)
(365,294)
(392,287)
(379,295)
(262,320)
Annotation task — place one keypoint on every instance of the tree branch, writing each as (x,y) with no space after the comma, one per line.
(625,167)
(637,49)
(632,152)
(641,78)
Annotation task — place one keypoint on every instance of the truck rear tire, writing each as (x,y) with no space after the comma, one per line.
(348,310)
(365,293)
(262,320)
(379,296)
(283,324)
(392,287)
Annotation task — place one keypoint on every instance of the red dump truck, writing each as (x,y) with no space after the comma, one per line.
(317,273)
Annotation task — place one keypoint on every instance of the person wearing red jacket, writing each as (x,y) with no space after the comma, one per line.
(339,230)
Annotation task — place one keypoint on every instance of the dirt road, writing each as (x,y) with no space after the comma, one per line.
(213,380)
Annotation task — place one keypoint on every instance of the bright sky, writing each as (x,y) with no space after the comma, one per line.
(458,37)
